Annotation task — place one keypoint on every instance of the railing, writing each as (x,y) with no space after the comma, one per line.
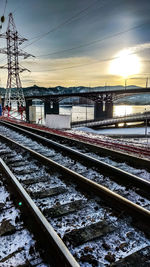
(133,118)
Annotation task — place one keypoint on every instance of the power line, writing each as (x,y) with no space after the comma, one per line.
(86,64)
(95,41)
(14,11)
(40,36)
(68,20)
(5,6)
(6,2)
(86,44)
(2,18)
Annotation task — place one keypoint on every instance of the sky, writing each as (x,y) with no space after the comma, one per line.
(81,42)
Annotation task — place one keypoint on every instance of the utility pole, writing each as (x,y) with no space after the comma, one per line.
(125,87)
(146,82)
(14,92)
(146,136)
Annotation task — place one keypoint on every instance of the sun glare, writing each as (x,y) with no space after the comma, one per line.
(125,64)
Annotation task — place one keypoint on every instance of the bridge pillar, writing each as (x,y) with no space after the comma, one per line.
(51,108)
(28,104)
(103,107)
(108,110)
(98,111)
(103,111)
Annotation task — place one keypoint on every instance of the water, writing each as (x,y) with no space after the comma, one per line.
(78,113)
(122,110)
(81,112)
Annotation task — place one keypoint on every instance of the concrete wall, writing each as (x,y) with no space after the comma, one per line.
(32,114)
(58,121)
(28,105)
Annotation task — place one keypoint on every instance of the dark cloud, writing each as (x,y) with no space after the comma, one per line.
(102,19)
(91,20)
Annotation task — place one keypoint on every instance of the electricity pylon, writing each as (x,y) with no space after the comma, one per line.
(14,91)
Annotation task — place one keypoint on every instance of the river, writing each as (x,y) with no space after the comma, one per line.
(81,112)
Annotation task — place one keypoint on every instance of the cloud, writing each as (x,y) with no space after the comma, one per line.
(86,71)
(139,47)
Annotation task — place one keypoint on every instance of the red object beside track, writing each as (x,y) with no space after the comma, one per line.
(142,151)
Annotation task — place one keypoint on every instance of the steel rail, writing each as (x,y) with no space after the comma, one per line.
(145,151)
(97,145)
(109,196)
(107,168)
(66,257)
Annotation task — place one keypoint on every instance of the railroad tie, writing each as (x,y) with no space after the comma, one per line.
(80,236)
(48,193)
(65,209)
(139,258)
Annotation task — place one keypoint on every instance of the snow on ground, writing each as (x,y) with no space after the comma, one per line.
(116,131)
(103,134)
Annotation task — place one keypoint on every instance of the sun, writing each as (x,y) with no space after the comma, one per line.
(125,64)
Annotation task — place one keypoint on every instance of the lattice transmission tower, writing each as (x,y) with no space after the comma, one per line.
(14,92)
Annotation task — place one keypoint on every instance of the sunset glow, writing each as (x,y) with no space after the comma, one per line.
(72,47)
(125,64)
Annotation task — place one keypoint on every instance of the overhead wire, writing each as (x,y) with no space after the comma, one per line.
(14,11)
(100,40)
(5,7)
(6,2)
(58,26)
(39,37)
(86,64)
(1,25)
(82,45)
(67,21)
(2,18)
(95,41)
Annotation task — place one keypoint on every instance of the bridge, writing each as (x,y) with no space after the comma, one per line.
(116,121)
(103,100)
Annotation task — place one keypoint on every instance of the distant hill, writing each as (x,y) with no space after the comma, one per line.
(130,100)
(38,91)
(137,99)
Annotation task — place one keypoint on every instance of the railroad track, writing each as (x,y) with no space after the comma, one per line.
(86,154)
(130,186)
(18,247)
(82,144)
(116,145)
(90,218)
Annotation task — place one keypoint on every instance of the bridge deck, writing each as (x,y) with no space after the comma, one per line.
(114,121)
(89,94)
